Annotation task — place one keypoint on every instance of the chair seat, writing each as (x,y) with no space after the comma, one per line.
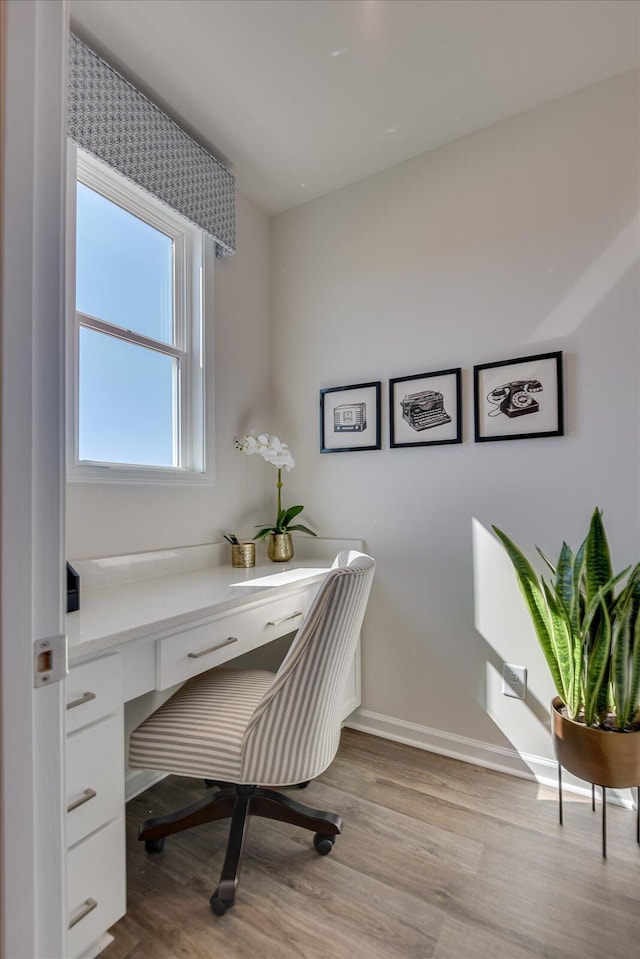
(200,730)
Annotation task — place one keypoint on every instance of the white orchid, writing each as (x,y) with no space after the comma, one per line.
(274,451)
(269,447)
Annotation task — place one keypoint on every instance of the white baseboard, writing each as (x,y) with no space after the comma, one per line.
(137,780)
(524,765)
(94,950)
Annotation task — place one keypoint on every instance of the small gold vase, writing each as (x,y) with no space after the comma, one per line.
(243,555)
(280,547)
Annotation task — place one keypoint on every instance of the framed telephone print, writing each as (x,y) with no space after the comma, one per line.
(425,409)
(519,399)
(350,418)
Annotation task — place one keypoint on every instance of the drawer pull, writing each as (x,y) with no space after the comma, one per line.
(212,649)
(86,698)
(85,797)
(276,622)
(88,906)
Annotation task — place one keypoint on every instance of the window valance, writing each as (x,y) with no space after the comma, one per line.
(113,121)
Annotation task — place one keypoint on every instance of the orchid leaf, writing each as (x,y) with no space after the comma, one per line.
(264,532)
(290,514)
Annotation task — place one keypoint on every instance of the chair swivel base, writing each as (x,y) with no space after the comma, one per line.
(237,803)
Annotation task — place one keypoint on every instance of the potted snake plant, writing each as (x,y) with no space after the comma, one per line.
(587,620)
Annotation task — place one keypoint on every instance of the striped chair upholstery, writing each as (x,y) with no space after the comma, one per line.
(241,728)
(251,726)
(294,732)
(189,736)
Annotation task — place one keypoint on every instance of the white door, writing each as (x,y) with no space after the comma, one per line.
(34,38)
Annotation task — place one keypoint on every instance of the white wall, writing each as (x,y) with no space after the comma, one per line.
(105,520)
(515,240)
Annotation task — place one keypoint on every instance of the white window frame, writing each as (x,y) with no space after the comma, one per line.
(194,255)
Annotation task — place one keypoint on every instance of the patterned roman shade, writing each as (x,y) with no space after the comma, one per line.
(116,123)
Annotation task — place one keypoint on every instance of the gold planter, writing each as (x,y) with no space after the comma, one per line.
(243,555)
(599,756)
(280,547)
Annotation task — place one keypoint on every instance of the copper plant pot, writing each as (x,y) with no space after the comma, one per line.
(599,756)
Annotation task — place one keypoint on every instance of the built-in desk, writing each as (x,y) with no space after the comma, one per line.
(147,623)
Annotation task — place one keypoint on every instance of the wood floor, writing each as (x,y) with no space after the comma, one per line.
(438,858)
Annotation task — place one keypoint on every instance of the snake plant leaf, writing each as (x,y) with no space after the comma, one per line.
(578,608)
(598,667)
(633,700)
(590,637)
(546,560)
(564,578)
(631,588)
(302,529)
(591,617)
(530,589)
(598,559)
(621,645)
(561,641)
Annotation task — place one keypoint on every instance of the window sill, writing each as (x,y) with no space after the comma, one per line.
(137,476)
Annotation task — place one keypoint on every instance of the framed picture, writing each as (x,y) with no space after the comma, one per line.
(425,409)
(350,418)
(519,399)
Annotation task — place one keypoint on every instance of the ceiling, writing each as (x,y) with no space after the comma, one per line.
(301,97)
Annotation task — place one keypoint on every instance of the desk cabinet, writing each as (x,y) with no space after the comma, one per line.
(192,651)
(96,880)
(97,688)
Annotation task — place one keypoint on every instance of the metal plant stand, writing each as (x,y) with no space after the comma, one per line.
(604,809)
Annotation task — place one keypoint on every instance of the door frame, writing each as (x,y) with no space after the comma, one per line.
(33,873)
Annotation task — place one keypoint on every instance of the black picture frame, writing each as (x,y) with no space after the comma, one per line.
(348,422)
(429,413)
(511,394)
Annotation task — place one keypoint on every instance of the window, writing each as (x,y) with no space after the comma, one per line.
(136,350)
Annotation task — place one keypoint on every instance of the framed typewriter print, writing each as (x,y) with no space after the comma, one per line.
(425,409)
(350,418)
(519,399)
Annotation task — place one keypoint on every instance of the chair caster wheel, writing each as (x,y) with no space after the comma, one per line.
(153,845)
(218,906)
(303,785)
(323,844)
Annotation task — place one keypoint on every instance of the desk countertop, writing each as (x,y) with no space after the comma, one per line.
(132,597)
(111,615)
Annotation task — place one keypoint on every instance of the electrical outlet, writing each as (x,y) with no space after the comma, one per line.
(514,681)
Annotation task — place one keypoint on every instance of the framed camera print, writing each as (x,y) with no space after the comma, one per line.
(519,399)
(350,418)
(425,409)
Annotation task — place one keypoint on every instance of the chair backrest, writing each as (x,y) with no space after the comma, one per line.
(294,732)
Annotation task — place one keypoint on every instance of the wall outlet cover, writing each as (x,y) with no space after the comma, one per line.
(514,681)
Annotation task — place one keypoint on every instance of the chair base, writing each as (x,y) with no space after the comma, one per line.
(238,803)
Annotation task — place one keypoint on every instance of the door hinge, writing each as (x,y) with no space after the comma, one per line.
(49,660)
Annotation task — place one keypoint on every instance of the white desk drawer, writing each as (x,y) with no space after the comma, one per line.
(93,690)
(95,772)
(96,875)
(185,654)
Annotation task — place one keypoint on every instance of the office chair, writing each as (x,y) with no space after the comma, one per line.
(239,729)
